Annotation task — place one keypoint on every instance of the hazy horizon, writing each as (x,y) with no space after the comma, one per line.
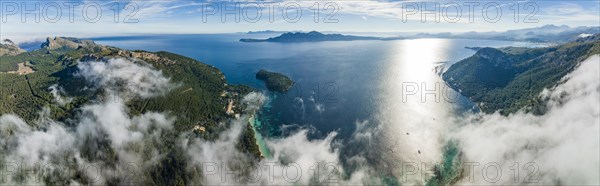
(32,18)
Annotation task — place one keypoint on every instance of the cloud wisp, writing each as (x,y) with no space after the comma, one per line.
(294,159)
(560,147)
(104,143)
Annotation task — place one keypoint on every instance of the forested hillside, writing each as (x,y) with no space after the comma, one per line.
(512,78)
(198,100)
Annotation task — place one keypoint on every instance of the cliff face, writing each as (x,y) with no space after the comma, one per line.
(66,42)
(8,48)
(96,51)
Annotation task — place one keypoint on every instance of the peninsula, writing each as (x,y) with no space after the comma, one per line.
(510,79)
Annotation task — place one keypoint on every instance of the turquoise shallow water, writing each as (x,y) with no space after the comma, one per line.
(356,88)
(264,149)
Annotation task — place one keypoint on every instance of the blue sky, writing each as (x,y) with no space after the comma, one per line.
(79,18)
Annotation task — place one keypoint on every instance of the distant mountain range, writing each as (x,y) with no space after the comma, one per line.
(543,34)
(311,37)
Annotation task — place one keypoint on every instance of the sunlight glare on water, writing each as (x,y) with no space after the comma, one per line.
(413,110)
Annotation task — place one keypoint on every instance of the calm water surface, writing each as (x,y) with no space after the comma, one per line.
(384,98)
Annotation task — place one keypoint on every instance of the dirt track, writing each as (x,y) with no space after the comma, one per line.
(23,69)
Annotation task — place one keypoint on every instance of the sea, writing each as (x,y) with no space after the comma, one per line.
(384,100)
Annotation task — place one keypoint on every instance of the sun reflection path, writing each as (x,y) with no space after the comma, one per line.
(413,128)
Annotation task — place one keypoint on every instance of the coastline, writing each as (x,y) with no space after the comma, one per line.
(262,146)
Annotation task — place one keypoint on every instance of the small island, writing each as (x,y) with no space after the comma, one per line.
(276,82)
(265,32)
(474,48)
(312,37)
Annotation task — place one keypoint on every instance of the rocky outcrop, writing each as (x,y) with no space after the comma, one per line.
(147,56)
(8,48)
(66,42)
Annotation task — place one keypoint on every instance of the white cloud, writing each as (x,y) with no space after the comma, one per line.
(294,160)
(564,9)
(295,154)
(155,9)
(56,92)
(102,128)
(319,107)
(564,143)
(97,125)
(120,76)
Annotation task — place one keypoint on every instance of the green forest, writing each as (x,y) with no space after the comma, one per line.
(276,82)
(510,79)
(199,99)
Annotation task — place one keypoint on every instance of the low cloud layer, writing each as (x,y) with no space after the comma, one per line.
(57,92)
(120,73)
(105,143)
(294,159)
(48,144)
(560,147)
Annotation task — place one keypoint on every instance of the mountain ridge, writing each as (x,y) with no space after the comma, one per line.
(198,99)
(311,36)
(9,48)
(510,79)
